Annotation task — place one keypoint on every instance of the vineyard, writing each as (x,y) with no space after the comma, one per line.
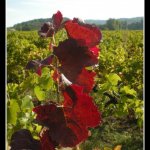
(118,92)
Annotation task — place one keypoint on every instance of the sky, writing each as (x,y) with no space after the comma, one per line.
(18,11)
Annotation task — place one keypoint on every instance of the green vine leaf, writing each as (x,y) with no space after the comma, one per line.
(12,111)
(40,94)
(113,78)
(127,90)
(27,103)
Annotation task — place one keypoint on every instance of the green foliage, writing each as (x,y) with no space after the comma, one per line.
(22,47)
(27,103)
(121,75)
(126,90)
(13,109)
(123,24)
(39,93)
(113,24)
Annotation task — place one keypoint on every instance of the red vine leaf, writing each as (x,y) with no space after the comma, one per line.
(72,55)
(83,106)
(39,71)
(56,76)
(48,60)
(37,64)
(73,58)
(62,123)
(86,80)
(46,141)
(95,50)
(47,30)
(33,64)
(22,139)
(57,19)
(84,34)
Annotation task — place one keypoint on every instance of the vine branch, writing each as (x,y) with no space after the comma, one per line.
(56,64)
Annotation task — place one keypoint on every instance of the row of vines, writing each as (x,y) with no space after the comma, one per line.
(118,92)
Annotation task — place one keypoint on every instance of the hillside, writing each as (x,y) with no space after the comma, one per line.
(37,23)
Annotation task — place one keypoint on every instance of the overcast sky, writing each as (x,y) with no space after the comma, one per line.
(23,10)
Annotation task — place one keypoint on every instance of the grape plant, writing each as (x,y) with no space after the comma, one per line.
(65,120)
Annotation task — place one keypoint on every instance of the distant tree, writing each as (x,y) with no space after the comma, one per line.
(136,25)
(113,24)
(124,25)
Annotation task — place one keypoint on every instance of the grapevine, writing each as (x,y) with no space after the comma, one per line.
(65,123)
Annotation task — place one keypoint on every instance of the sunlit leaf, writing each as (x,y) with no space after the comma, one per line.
(113,78)
(12,111)
(40,94)
(27,102)
(82,105)
(118,147)
(84,34)
(128,90)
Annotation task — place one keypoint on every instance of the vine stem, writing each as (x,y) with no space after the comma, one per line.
(57,63)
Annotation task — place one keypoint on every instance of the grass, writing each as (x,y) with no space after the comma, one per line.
(115,132)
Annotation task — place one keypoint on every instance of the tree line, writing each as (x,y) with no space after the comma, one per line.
(114,24)
(111,24)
